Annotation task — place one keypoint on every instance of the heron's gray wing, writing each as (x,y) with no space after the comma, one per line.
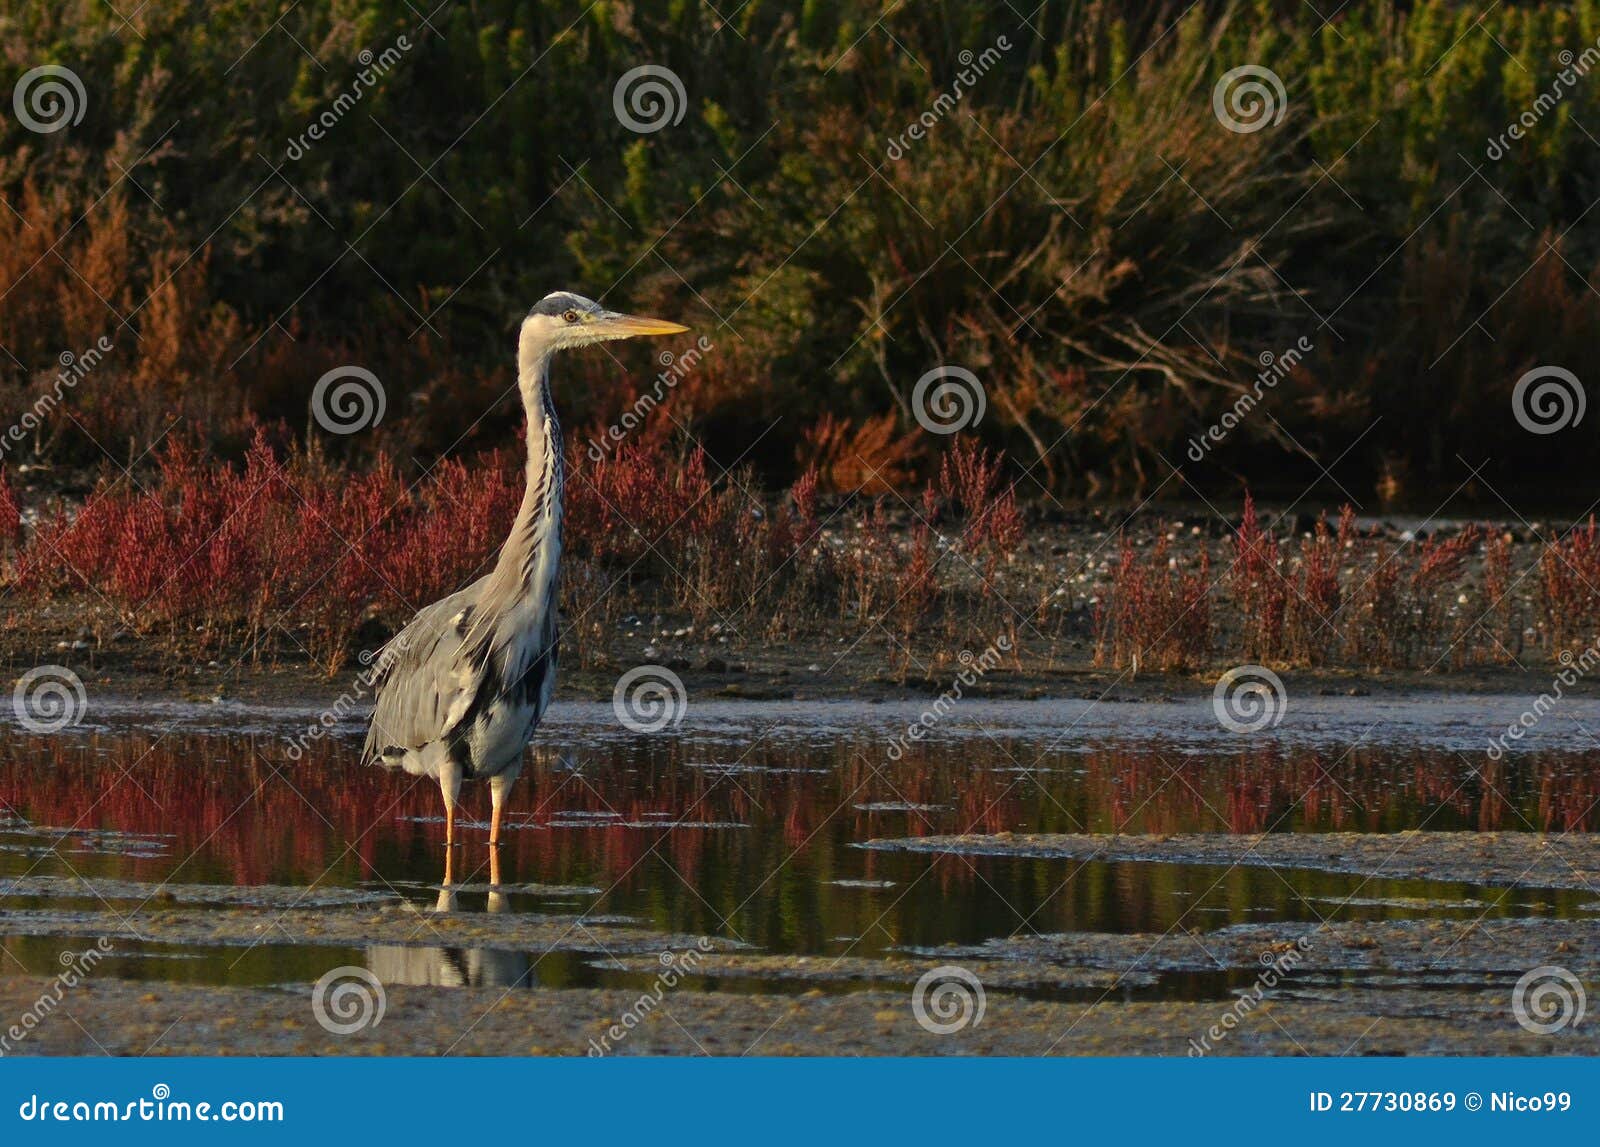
(425,682)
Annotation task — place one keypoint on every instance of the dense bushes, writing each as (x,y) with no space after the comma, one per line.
(1078,228)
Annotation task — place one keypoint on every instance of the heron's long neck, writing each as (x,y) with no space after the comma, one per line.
(526,570)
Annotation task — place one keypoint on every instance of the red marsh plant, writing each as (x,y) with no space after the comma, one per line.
(1401,612)
(10,514)
(1316,594)
(289,551)
(1155,616)
(1343,598)
(1260,588)
(971,483)
(1569,580)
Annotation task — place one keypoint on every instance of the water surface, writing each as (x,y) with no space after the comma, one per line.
(744,823)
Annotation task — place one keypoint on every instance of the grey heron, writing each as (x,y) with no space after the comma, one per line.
(461,689)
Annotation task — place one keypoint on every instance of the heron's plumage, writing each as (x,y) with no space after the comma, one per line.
(461,689)
(469,677)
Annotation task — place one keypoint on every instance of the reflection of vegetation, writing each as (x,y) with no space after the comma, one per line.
(259,965)
(1080,230)
(336,823)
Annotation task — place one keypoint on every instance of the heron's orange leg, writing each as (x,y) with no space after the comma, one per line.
(450,789)
(498,786)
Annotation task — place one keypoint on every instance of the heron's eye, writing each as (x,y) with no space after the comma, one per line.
(571,316)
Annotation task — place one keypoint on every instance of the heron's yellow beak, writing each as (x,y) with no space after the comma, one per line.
(629,326)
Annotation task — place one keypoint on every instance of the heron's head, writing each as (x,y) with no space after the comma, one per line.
(562,320)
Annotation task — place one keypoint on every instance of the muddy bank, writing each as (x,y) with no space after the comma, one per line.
(786,673)
(250,895)
(118,1018)
(1437,948)
(1512,859)
(401,923)
(1474,945)
(998,969)
(144,892)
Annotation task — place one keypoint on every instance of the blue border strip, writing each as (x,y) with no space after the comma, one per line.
(817,1102)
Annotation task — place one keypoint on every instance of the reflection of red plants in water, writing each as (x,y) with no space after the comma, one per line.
(242,813)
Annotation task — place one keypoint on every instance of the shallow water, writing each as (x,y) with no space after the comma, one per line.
(744,824)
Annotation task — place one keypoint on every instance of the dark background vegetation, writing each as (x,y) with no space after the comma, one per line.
(1081,232)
